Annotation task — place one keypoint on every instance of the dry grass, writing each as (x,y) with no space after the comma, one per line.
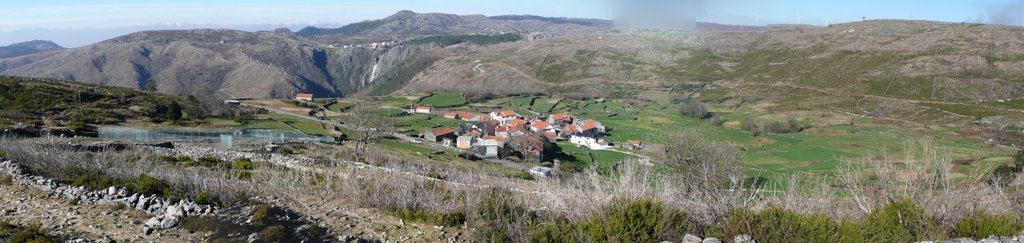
(391,183)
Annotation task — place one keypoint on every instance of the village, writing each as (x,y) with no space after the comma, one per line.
(503,134)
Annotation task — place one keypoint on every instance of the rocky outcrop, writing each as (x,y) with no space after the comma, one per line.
(166,213)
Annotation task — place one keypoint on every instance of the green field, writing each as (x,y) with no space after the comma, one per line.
(276,122)
(819,151)
(338,106)
(444,100)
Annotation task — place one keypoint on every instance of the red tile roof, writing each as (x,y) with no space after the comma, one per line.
(633,142)
(309,96)
(495,138)
(562,117)
(504,128)
(423,108)
(590,124)
(541,125)
(517,122)
(571,128)
(441,131)
(506,113)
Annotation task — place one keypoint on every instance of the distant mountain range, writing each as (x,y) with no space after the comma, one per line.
(407,24)
(235,64)
(26,48)
(907,59)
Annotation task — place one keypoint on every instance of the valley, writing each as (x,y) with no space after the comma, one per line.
(427,127)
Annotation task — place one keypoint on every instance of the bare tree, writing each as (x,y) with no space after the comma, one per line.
(707,171)
(366,126)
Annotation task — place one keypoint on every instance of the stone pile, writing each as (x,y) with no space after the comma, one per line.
(199,152)
(167,213)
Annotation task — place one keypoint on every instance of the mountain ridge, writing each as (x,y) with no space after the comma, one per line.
(28,48)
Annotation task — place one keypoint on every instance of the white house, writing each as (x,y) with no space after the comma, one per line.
(589,142)
(504,116)
(423,110)
(588,133)
(488,147)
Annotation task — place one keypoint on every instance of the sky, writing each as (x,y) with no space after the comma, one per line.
(73,23)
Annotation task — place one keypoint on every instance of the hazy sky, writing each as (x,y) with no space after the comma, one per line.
(80,22)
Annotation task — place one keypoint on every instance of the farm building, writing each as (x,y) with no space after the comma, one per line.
(489,147)
(423,110)
(304,97)
(464,142)
(442,135)
(452,115)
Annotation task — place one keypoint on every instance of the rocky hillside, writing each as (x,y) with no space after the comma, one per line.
(214,64)
(899,59)
(915,61)
(407,24)
(26,48)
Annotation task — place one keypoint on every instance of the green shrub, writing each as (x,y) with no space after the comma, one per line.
(900,221)
(263,214)
(201,224)
(275,233)
(207,161)
(636,221)
(982,224)
(243,164)
(5,180)
(1018,160)
(206,197)
(33,234)
(558,231)
(1002,176)
(779,225)
(3,154)
(148,185)
(497,208)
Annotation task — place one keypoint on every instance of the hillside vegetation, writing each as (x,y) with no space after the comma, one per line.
(37,106)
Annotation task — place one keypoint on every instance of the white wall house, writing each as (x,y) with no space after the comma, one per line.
(589,142)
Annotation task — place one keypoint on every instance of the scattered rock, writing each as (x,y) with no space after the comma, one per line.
(146,230)
(254,237)
(168,223)
(712,240)
(153,222)
(743,239)
(174,211)
(688,238)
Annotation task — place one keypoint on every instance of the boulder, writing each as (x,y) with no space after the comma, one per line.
(112,191)
(743,239)
(143,203)
(174,211)
(254,237)
(153,222)
(168,223)
(688,238)
(146,230)
(712,240)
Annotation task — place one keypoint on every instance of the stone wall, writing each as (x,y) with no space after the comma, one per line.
(166,213)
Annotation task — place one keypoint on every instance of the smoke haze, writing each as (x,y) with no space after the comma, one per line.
(1011,13)
(658,14)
